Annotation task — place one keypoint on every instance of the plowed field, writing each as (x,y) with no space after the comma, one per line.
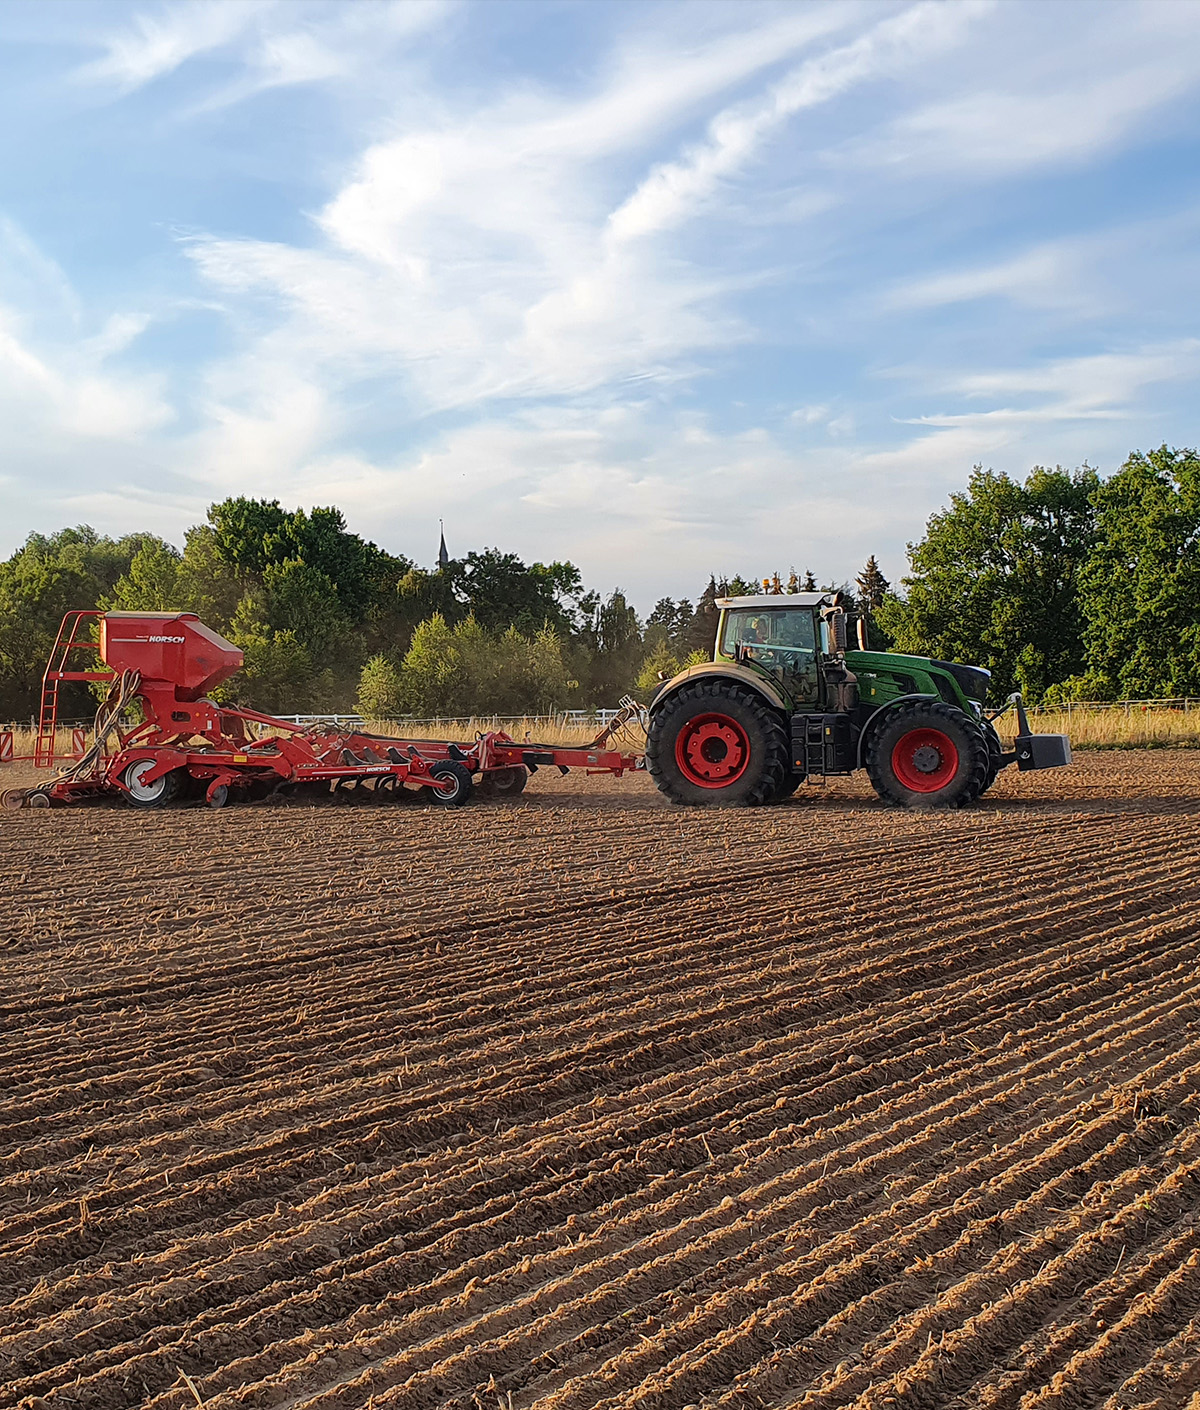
(587,1101)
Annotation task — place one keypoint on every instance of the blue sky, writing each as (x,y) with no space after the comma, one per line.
(661,288)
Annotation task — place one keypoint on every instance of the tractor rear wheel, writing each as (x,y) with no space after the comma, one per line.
(928,756)
(788,785)
(717,744)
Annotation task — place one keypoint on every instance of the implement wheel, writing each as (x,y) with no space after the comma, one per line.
(928,756)
(717,744)
(504,783)
(463,788)
(149,795)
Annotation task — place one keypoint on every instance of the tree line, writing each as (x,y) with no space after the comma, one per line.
(1066,585)
(328,621)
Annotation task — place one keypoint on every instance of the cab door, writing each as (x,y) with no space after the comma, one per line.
(782,643)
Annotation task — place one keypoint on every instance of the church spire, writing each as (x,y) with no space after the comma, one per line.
(443,556)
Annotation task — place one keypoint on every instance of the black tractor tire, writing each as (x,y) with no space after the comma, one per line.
(995,750)
(928,755)
(790,782)
(716,744)
(504,783)
(463,789)
(163,791)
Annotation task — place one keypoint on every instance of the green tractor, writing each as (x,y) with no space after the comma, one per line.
(784,700)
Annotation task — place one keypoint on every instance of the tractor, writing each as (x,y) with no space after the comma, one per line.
(784,701)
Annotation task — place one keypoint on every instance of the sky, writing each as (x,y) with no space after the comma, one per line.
(665,289)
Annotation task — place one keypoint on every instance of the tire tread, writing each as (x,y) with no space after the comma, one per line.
(716,692)
(891,791)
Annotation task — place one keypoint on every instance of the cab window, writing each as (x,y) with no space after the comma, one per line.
(782,633)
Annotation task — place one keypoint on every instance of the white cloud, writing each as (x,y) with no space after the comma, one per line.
(1046,276)
(156,45)
(269,44)
(514,299)
(673,189)
(1091,407)
(69,416)
(482,257)
(74,396)
(1020,106)
(1095,383)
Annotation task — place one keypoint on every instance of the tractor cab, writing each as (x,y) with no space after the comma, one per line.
(782,636)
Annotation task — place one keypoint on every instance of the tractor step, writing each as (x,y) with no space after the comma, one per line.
(822,745)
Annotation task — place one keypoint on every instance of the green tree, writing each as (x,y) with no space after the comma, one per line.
(150,584)
(303,600)
(500,591)
(381,689)
(466,670)
(244,530)
(1140,588)
(253,535)
(47,577)
(995,580)
(613,637)
(431,672)
(660,664)
(670,623)
(278,675)
(872,586)
(701,634)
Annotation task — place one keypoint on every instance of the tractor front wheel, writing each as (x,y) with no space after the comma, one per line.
(995,753)
(717,744)
(928,756)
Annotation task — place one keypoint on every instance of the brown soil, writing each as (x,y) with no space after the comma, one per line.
(583,1100)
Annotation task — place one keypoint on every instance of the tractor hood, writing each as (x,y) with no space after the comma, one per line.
(973,681)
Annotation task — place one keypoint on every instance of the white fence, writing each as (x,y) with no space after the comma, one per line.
(564,718)
(1183,704)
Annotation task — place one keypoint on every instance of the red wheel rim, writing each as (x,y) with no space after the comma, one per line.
(712,751)
(924,760)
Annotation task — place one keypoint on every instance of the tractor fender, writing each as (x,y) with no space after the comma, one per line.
(865,733)
(730,670)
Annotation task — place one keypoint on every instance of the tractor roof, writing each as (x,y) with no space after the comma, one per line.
(777,600)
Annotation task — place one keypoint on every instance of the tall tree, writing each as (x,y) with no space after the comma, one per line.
(872,586)
(500,591)
(702,631)
(995,580)
(1140,588)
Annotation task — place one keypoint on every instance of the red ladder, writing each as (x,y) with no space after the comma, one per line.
(68,640)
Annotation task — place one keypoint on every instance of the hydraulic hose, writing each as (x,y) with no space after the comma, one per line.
(121,695)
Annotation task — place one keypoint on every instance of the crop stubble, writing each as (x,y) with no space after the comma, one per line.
(587,1101)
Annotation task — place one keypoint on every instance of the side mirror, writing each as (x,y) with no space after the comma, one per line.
(835,622)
